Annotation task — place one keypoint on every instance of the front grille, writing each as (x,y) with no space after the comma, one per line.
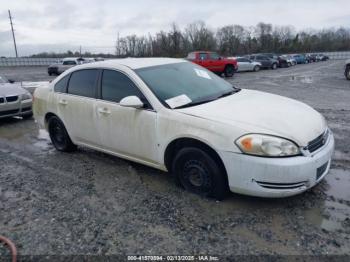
(318,142)
(321,170)
(2,100)
(281,186)
(8,112)
(10,99)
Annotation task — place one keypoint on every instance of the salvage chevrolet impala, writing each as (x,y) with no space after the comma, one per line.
(179,117)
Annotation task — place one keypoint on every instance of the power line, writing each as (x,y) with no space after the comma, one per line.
(13,33)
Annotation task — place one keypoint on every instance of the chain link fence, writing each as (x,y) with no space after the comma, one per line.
(26,61)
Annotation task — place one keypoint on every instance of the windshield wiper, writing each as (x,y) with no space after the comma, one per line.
(235,90)
(229,93)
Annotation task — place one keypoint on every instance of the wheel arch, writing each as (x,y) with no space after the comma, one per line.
(177,144)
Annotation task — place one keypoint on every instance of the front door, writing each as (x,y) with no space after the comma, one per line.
(123,130)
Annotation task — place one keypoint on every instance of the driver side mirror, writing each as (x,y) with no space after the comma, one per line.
(131,101)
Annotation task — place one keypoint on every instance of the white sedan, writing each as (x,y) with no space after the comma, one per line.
(245,64)
(176,116)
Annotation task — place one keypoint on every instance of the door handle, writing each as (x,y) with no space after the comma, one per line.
(104,111)
(63,102)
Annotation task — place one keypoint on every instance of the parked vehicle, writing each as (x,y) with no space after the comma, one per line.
(347,69)
(244,64)
(179,117)
(309,58)
(59,68)
(300,59)
(283,62)
(313,57)
(323,57)
(290,60)
(214,62)
(14,100)
(265,61)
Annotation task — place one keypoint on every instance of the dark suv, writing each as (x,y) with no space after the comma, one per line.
(266,62)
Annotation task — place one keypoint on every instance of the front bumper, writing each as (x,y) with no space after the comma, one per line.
(18,108)
(277,177)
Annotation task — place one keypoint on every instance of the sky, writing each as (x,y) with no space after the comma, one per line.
(46,25)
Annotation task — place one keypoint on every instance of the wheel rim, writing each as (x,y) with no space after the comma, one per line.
(274,66)
(196,176)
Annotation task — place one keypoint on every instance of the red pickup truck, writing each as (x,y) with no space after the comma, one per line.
(214,62)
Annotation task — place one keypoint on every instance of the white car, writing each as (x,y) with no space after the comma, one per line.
(290,60)
(244,64)
(176,116)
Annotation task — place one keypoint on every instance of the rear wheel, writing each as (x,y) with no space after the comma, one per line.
(59,136)
(347,72)
(199,173)
(229,71)
(274,66)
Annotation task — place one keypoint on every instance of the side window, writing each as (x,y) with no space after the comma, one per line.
(203,56)
(214,56)
(83,82)
(61,85)
(115,86)
(240,59)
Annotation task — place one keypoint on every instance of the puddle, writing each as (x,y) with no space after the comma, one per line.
(302,79)
(43,139)
(332,214)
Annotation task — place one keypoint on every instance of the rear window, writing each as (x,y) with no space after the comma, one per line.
(69,63)
(62,85)
(83,83)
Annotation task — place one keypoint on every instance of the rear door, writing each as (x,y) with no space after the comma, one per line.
(76,105)
(124,130)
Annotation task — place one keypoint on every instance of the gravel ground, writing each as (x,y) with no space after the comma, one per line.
(87,202)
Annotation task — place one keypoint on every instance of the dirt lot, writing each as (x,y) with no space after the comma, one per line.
(91,203)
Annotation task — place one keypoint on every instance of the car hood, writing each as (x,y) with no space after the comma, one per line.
(260,112)
(11,89)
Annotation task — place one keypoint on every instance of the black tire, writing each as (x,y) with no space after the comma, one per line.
(229,71)
(256,68)
(347,72)
(273,66)
(199,173)
(289,64)
(59,135)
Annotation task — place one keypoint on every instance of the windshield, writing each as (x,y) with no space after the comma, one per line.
(184,84)
(3,80)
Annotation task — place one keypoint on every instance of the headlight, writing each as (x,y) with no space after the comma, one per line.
(26,96)
(266,145)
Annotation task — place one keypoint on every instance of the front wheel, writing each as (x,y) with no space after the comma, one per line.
(59,135)
(199,173)
(347,72)
(229,71)
(274,66)
(256,68)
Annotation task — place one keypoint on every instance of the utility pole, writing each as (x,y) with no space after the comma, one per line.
(13,33)
(118,48)
(80,50)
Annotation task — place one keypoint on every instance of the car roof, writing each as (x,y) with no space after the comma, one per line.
(133,63)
